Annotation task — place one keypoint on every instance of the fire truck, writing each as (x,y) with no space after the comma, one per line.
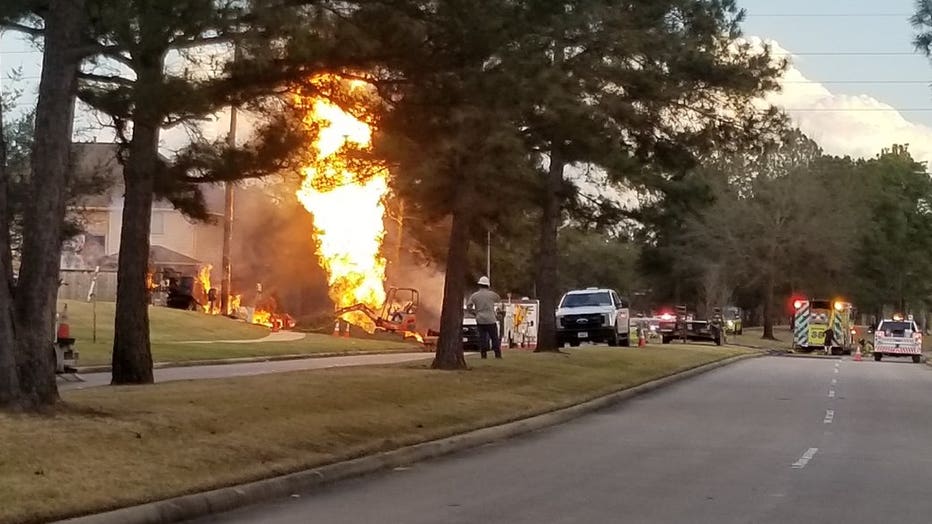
(812,318)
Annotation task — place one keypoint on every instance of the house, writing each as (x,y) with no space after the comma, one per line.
(173,236)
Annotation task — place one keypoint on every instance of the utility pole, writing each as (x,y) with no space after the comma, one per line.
(226,281)
(488,254)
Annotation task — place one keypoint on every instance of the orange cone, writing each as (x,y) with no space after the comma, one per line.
(857,354)
(336,328)
(642,340)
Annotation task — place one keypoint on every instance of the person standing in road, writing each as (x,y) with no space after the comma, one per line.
(829,340)
(483,303)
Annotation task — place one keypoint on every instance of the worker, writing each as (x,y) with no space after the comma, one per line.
(829,340)
(482,302)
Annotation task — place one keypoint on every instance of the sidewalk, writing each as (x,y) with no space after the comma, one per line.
(92,380)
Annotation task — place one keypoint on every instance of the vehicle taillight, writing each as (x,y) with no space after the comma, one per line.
(667,316)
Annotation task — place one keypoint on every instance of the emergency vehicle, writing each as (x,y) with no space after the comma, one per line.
(898,338)
(812,318)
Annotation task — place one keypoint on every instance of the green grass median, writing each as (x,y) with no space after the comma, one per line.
(118,446)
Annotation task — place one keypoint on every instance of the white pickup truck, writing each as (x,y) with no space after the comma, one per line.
(898,338)
(593,315)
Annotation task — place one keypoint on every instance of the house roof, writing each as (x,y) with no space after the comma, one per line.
(158,256)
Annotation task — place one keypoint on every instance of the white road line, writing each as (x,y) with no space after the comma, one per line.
(836,370)
(831,393)
(834,381)
(803,460)
(829,416)
(837,364)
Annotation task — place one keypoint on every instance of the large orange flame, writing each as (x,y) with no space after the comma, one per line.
(347,203)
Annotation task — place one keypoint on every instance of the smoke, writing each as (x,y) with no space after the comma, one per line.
(273,245)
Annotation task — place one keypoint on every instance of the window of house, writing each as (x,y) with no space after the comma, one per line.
(158,223)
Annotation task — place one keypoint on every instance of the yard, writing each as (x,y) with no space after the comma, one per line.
(179,335)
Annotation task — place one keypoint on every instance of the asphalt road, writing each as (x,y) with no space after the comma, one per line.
(770,440)
(252,368)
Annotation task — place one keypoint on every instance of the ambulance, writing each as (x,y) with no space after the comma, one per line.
(812,318)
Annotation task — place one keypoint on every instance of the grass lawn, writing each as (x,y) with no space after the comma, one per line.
(112,447)
(171,328)
(752,338)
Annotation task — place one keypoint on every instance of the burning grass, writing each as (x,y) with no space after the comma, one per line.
(111,447)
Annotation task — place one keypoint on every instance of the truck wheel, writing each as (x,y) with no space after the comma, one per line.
(613,339)
(917,359)
(574,344)
(878,356)
(666,340)
(626,341)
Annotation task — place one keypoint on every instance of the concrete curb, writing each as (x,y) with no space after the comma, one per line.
(247,360)
(227,499)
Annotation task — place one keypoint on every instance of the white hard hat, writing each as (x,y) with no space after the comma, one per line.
(484,281)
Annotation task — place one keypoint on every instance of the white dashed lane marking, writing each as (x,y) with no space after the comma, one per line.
(831,393)
(829,416)
(803,460)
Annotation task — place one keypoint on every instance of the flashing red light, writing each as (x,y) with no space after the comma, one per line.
(797,304)
(667,316)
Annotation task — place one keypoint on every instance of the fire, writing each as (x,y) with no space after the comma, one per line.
(203,278)
(348,209)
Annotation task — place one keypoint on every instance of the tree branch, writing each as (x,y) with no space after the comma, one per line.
(110,79)
(20,28)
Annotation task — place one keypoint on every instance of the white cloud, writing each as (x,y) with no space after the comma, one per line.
(859,126)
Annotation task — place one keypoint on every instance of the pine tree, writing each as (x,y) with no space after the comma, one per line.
(27,302)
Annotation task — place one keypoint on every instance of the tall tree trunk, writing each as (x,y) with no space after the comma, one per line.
(9,380)
(450,344)
(768,308)
(548,255)
(132,352)
(44,215)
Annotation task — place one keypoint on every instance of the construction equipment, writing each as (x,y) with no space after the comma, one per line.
(811,320)
(398,313)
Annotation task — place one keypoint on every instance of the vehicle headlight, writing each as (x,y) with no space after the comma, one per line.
(730,324)
(607,320)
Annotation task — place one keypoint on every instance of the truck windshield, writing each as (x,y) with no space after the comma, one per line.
(587,299)
(896,329)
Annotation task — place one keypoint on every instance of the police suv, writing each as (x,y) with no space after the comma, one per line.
(593,315)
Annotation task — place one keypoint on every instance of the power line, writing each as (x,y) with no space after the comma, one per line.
(857,110)
(856,82)
(829,15)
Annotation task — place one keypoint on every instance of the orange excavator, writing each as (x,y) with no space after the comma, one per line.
(398,314)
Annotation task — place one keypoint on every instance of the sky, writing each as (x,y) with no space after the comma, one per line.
(855,85)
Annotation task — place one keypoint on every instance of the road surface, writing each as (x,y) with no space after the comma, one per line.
(253,368)
(770,440)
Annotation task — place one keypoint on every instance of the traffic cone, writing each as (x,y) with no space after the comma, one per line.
(336,328)
(642,340)
(857,354)
(64,330)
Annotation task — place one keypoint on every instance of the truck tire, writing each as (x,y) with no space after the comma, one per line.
(613,339)
(626,341)
(917,359)
(574,344)
(666,340)
(878,357)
